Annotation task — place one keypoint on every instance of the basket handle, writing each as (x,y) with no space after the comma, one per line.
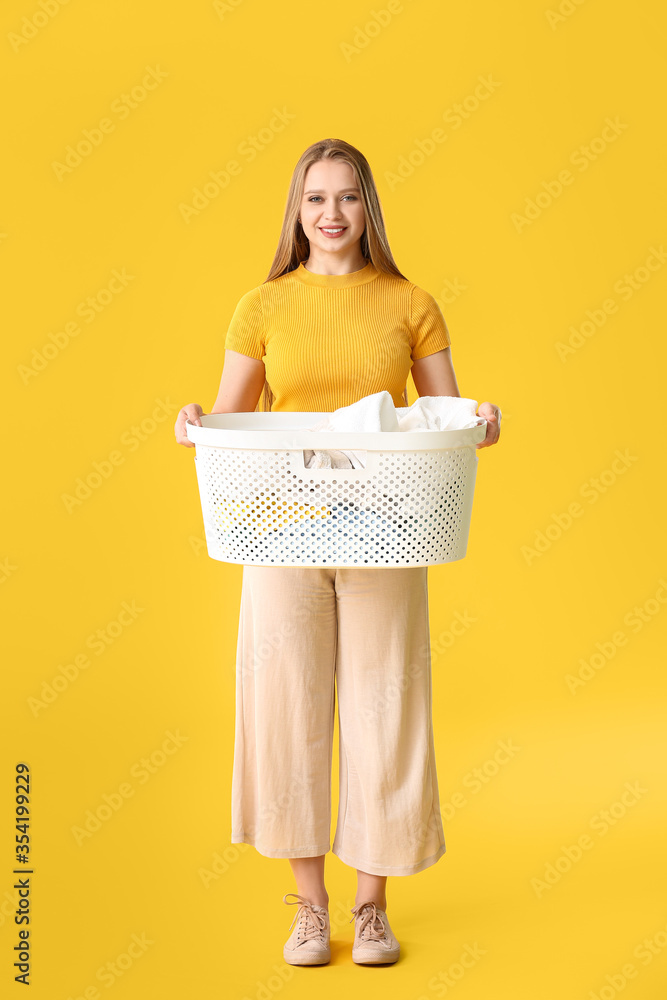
(371,467)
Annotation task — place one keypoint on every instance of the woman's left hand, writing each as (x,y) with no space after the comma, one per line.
(492,415)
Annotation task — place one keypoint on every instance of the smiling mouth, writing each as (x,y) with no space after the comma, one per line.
(332,230)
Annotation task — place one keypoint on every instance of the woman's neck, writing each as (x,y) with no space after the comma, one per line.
(325,266)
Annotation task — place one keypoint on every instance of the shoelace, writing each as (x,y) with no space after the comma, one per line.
(367,928)
(314,924)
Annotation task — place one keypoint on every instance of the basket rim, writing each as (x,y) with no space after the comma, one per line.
(287,431)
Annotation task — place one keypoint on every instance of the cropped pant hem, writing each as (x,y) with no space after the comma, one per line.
(296,852)
(373,869)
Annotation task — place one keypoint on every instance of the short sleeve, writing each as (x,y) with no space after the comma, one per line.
(245,333)
(427,325)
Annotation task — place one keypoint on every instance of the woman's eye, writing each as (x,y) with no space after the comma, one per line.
(354,197)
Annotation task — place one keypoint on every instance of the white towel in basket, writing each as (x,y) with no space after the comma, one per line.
(370,413)
(438,413)
(378,413)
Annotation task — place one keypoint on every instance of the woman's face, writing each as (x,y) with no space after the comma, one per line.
(332,200)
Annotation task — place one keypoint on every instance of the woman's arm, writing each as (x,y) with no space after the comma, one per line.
(240,388)
(434,376)
(241,384)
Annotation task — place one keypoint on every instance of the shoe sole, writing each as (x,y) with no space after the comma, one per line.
(387,959)
(293,958)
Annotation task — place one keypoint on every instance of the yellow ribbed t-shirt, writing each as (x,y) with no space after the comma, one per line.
(327,340)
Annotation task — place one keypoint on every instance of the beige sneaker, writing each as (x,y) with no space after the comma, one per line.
(374,942)
(308,944)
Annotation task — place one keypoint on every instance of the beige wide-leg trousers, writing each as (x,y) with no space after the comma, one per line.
(305,632)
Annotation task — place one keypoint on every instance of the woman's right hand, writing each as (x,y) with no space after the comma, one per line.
(191,412)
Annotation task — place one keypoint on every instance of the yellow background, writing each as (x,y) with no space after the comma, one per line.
(139,537)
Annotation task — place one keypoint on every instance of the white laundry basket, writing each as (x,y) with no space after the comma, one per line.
(409,506)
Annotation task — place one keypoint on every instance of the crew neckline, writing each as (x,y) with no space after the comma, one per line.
(365,274)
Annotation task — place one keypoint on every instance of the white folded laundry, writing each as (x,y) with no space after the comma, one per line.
(438,413)
(370,413)
(377,412)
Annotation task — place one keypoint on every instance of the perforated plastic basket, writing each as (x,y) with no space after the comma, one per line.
(409,506)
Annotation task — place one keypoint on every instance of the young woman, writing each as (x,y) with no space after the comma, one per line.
(335,321)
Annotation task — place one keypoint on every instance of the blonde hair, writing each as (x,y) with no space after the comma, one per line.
(293,245)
